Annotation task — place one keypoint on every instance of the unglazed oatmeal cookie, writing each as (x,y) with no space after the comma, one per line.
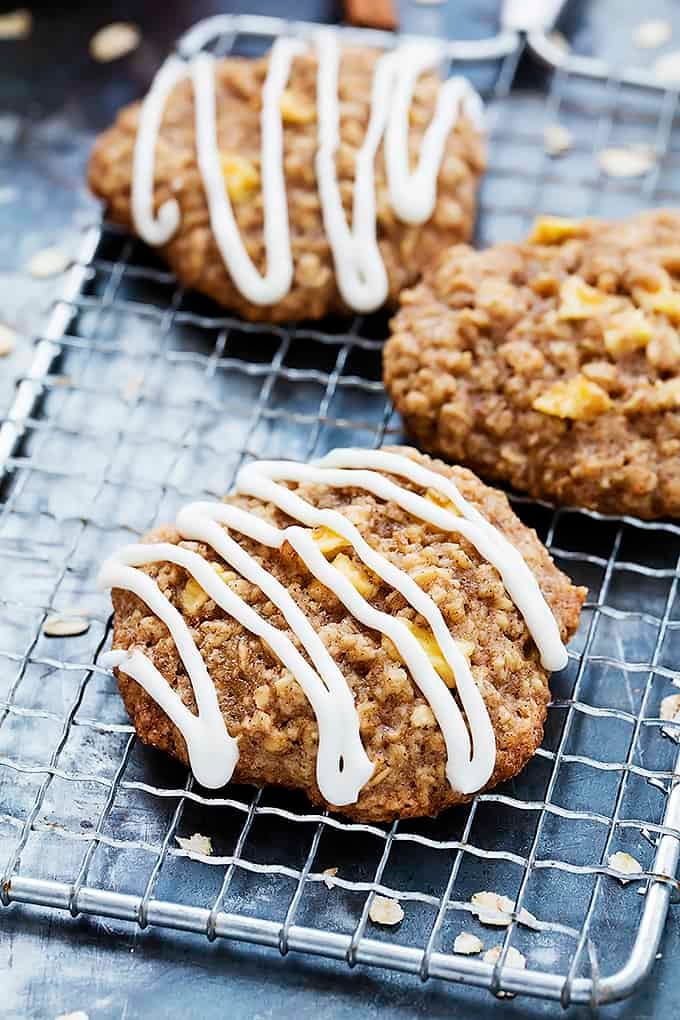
(375,629)
(243,173)
(553,364)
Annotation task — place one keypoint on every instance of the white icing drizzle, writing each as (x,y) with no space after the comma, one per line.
(343,767)
(154,230)
(360,270)
(208,743)
(261,290)
(212,752)
(413,194)
(491,543)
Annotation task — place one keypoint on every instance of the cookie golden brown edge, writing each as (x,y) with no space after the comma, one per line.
(192,252)
(266,710)
(552,364)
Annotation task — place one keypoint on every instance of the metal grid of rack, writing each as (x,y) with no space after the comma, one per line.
(141,397)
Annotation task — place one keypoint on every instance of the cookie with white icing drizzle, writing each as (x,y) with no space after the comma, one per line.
(317,179)
(376,629)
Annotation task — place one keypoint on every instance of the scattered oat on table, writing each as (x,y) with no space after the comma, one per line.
(556,139)
(528,919)
(666,69)
(467,944)
(7,340)
(114,41)
(627,161)
(513,959)
(16,24)
(670,709)
(131,388)
(492,908)
(48,262)
(495,909)
(621,861)
(196,844)
(385,911)
(330,874)
(58,625)
(560,41)
(650,34)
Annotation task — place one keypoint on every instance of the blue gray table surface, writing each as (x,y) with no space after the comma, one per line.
(53,99)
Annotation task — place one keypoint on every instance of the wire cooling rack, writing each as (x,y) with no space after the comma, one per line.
(142,397)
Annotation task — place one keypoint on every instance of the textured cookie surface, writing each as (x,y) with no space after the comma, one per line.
(266,710)
(553,364)
(192,252)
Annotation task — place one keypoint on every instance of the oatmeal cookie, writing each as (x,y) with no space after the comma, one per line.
(266,710)
(553,364)
(192,251)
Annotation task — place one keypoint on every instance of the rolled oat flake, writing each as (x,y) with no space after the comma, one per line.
(65,626)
